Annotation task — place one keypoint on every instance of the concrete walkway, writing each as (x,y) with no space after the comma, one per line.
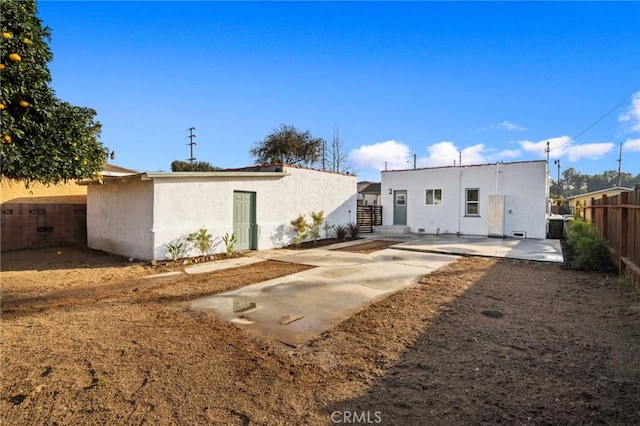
(296,308)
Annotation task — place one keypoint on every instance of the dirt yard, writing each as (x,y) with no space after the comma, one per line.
(86,340)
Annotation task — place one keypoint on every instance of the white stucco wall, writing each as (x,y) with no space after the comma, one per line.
(119,217)
(183,205)
(523,185)
(137,216)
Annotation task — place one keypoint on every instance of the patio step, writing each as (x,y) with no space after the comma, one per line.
(392,230)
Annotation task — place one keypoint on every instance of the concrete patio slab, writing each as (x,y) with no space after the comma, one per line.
(525,249)
(296,308)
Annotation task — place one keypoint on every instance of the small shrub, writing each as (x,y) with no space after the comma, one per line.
(328,228)
(314,227)
(176,250)
(353,230)
(341,231)
(229,243)
(201,240)
(591,252)
(300,227)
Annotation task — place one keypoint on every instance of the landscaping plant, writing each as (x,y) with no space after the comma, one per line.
(590,251)
(176,250)
(229,243)
(201,240)
(328,228)
(314,227)
(341,231)
(300,227)
(353,230)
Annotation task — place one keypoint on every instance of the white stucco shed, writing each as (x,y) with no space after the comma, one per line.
(137,216)
(502,199)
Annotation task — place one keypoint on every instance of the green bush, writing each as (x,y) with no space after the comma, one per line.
(590,251)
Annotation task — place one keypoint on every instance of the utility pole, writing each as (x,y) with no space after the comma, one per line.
(558,183)
(620,166)
(547,151)
(191,143)
(414,161)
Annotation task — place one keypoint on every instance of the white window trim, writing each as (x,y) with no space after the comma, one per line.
(467,202)
(435,203)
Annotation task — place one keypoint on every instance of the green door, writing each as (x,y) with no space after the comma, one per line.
(400,207)
(244,220)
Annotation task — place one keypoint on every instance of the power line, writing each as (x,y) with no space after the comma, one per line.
(593,124)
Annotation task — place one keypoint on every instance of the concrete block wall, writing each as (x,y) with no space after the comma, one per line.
(37,225)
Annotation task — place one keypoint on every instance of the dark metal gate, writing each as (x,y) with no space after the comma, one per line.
(368,216)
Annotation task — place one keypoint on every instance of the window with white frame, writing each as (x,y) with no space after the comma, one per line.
(472,202)
(434,197)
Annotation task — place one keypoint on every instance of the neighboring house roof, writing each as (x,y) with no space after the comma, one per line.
(600,191)
(113,170)
(369,188)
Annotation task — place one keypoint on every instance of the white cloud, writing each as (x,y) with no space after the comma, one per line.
(444,153)
(395,154)
(398,155)
(631,118)
(631,145)
(592,151)
(563,146)
(509,126)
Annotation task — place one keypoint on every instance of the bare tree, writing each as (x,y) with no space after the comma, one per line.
(337,155)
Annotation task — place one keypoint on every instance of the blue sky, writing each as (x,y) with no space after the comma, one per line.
(494,81)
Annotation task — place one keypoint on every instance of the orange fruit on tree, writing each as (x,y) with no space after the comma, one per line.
(6,35)
(2,66)
(14,57)
(26,41)
(24,104)
(1,106)
(6,139)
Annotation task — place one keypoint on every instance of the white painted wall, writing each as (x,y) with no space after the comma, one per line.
(166,208)
(523,184)
(120,217)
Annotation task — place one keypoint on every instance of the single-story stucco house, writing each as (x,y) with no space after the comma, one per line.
(501,200)
(578,202)
(137,216)
(368,193)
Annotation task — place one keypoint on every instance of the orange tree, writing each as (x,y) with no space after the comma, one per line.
(43,138)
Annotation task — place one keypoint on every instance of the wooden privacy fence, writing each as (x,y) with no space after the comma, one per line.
(617,219)
(368,216)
